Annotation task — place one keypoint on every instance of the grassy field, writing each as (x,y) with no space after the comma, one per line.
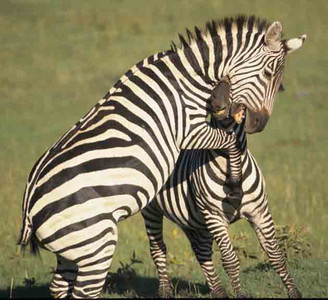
(58,58)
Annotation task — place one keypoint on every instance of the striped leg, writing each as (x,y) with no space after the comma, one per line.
(234,182)
(94,263)
(201,243)
(264,228)
(62,282)
(91,278)
(154,226)
(219,229)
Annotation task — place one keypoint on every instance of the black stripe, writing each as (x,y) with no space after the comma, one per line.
(78,226)
(228,37)
(84,195)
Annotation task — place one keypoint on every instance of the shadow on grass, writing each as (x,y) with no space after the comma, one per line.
(26,292)
(262,267)
(141,286)
(138,286)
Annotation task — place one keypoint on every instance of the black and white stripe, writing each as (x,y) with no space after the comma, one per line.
(195,198)
(114,161)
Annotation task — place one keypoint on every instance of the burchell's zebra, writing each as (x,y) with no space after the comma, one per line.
(114,161)
(195,198)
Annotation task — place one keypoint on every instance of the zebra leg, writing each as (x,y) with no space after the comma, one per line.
(93,265)
(219,229)
(264,228)
(201,243)
(63,278)
(154,227)
(234,181)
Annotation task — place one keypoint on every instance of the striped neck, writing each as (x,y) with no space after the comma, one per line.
(210,53)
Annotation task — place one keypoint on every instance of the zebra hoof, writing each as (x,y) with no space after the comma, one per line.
(165,291)
(295,293)
(219,294)
(242,295)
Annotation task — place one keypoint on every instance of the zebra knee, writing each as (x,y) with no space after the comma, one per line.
(157,249)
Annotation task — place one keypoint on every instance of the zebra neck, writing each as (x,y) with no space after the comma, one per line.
(213,53)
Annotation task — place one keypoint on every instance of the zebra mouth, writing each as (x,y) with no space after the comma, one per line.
(256,121)
(221,112)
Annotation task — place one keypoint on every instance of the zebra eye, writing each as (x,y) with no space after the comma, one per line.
(268,74)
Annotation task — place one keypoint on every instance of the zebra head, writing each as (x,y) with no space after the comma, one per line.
(254,77)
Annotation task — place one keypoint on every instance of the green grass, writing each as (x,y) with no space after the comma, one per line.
(58,58)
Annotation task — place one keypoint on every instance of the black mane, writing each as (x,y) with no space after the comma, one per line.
(212,28)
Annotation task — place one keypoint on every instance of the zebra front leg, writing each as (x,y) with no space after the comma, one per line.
(265,231)
(63,278)
(219,229)
(154,227)
(201,243)
(234,181)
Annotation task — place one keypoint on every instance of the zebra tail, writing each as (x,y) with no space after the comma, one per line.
(28,237)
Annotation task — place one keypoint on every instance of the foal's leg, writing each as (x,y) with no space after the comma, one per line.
(201,243)
(219,229)
(154,226)
(263,225)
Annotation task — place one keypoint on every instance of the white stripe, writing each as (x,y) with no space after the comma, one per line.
(112,177)
(78,213)
(153,105)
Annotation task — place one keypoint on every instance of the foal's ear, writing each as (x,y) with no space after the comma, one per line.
(219,99)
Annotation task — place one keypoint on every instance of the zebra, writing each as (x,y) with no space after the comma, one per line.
(116,158)
(195,198)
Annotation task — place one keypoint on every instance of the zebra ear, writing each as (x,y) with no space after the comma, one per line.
(294,44)
(273,35)
(219,99)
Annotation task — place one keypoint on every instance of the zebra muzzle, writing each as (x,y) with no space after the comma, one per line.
(221,112)
(256,121)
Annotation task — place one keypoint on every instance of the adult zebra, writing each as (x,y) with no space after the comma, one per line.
(195,198)
(114,161)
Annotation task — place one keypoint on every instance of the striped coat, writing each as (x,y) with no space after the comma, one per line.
(116,158)
(195,198)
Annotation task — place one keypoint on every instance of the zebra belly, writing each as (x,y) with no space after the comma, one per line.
(178,205)
(78,199)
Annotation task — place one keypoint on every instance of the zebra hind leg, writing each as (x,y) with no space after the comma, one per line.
(94,264)
(63,278)
(265,231)
(154,227)
(201,243)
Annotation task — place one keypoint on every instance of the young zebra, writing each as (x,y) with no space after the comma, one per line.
(114,161)
(195,198)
